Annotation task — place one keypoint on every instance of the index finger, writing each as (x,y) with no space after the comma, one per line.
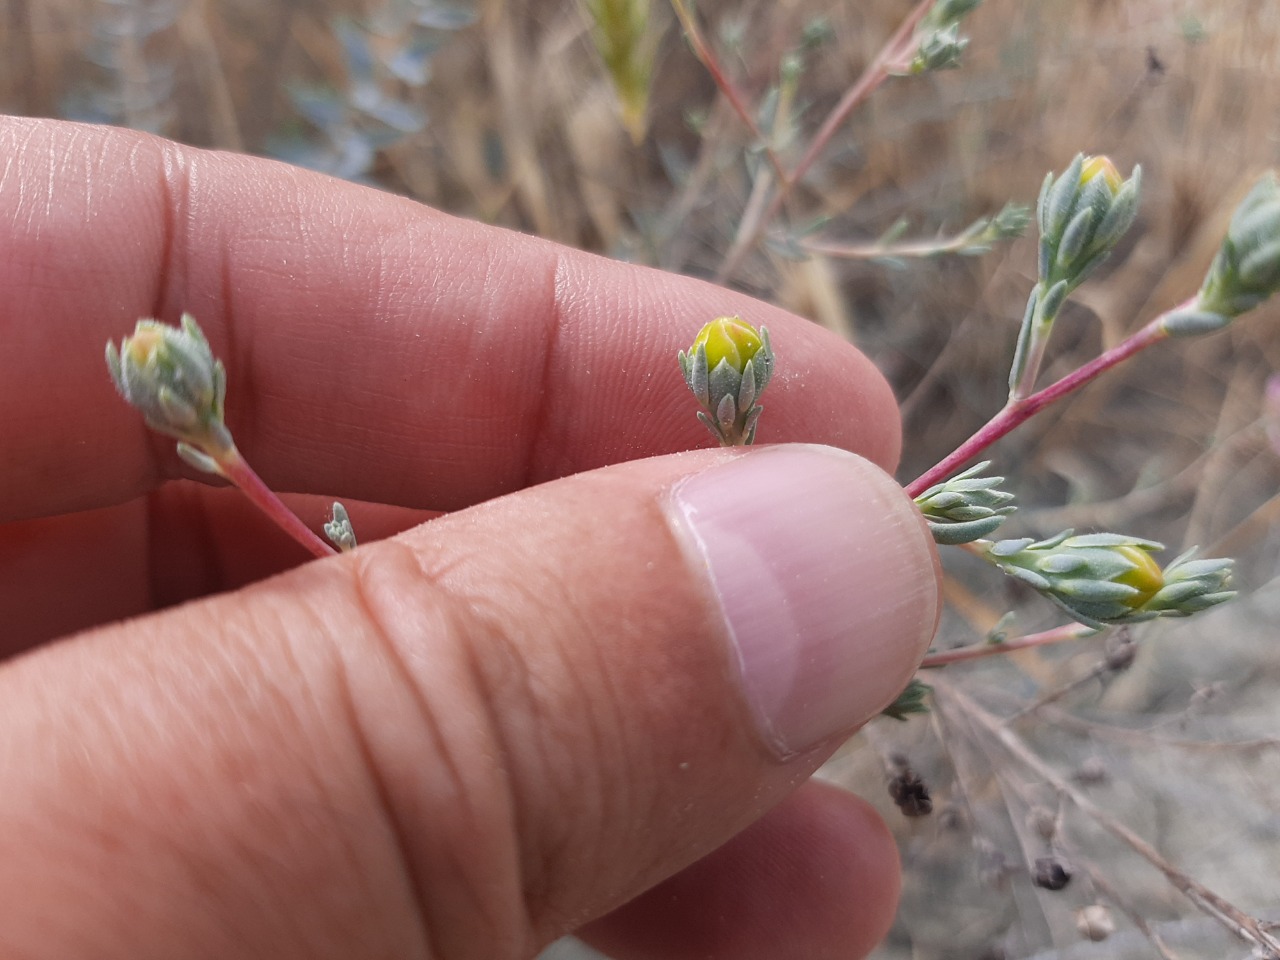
(375,348)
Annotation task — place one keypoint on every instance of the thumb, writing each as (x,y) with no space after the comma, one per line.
(468,739)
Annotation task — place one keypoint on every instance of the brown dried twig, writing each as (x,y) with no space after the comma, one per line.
(1241,924)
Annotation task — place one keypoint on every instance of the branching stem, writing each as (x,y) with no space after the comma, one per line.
(891,56)
(1017,412)
(882,251)
(1068,631)
(1235,920)
(707,57)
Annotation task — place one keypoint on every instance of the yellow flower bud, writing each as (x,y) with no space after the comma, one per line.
(171,376)
(727,368)
(729,339)
(1101,166)
(142,347)
(1146,577)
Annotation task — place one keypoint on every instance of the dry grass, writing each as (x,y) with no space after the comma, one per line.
(524,131)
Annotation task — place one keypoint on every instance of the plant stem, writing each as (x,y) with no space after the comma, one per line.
(235,468)
(891,55)
(707,57)
(1230,916)
(878,251)
(1033,340)
(1068,631)
(1016,412)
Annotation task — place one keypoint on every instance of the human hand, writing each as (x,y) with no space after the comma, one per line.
(485,731)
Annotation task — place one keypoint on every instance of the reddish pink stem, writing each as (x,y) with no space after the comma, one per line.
(890,57)
(707,57)
(1068,631)
(1017,412)
(236,469)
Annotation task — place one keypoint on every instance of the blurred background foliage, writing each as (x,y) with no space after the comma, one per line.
(505,112)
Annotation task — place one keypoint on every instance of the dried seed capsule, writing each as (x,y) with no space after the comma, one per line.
(1050,873)
(1094,922)
(1092,771)
(911,794)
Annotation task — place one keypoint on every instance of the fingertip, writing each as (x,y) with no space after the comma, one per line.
(825,577)
(817,877)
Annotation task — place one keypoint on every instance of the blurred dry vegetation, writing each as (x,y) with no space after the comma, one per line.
(502,111)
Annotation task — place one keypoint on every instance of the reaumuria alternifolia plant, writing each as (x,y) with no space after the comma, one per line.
(1098,579)
(171,376)
(1104,581)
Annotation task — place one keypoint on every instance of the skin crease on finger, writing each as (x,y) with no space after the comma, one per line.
(375,349)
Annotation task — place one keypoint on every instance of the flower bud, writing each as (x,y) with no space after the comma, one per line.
(1106,578)
(1192,585)
(1246,269)
(940,49)
(937,40)
(952,11)
(1146,577)
(728,367)
(965,508)
(170,375)
(1082,215)
(1101,166)
(730,340)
